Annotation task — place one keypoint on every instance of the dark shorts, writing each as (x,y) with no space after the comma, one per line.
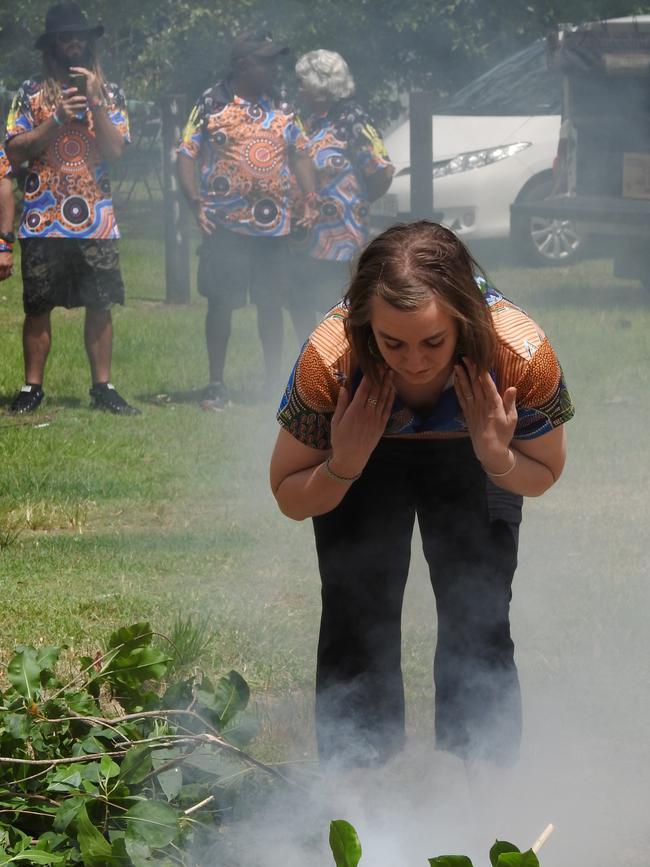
(316,284)
(70,272)
(235,267)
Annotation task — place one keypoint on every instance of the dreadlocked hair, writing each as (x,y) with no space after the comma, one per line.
(53,72)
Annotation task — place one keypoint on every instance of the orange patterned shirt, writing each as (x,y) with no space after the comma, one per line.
(67,190)
(524,358)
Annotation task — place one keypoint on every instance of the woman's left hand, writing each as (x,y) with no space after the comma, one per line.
(491,418)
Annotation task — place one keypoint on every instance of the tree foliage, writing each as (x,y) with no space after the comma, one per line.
(180,46)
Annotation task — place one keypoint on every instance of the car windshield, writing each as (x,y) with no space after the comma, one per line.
(520,85)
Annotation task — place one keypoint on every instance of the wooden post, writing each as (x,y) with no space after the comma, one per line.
(421,137)
(177,215)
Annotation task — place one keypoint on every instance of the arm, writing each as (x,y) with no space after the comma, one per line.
(304,171)
(299,480)
(187,182)
(526,467)
(110,139)
(6,225)
(379,182)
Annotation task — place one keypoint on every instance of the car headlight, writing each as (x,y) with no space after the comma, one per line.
(477,159)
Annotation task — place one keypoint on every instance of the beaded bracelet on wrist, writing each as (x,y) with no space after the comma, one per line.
(346,480)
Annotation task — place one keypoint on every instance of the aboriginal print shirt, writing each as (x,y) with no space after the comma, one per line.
(243,151)
(346,149)
(524,359)
(67,190)
(5,166)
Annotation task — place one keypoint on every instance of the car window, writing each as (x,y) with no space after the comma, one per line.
(520,85)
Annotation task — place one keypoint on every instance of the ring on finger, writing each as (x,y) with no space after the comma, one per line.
(372,401)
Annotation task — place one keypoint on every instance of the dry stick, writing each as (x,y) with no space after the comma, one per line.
(198,806)
(543,837)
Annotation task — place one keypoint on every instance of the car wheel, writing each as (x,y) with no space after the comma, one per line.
(544,241)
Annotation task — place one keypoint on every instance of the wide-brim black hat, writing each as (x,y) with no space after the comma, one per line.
(66,18)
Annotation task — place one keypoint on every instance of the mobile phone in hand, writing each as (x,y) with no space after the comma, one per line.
(79,80)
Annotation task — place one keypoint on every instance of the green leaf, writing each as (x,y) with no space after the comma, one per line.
(171,782)
(450,861)
(66,778)
(230,696)
(153,823)
(500,848)
(344,843)
(138,852)
(18,725)
(36,856)
(136,765)
(108,768)
(518,859)
(136,635)
(95,849)
(66,813)
(24,673)
(47,657)
(132,667)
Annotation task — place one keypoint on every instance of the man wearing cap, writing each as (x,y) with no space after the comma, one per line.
(246,142)
(67,125)
(6,218)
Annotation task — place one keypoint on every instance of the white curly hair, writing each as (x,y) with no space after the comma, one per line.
(325,74)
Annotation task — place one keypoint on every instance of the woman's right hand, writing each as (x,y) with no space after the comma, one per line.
(358,424)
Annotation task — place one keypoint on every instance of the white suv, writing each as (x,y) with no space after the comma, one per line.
(494,143)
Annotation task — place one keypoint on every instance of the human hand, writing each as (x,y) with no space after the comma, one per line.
(311,211)
(491,418)
(205,223)
(6,265)
(70,104)
(93,84)
(358,424)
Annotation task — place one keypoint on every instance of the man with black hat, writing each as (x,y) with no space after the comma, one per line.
(67,124)
(246,143)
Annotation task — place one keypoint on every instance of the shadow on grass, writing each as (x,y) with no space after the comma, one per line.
(240,397)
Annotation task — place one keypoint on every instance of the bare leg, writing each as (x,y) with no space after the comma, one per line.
(217,335)
(37,339)
(98,337)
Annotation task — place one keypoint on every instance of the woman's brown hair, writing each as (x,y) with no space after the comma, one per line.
(407,266)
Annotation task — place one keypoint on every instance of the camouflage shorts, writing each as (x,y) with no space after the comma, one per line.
(70,272)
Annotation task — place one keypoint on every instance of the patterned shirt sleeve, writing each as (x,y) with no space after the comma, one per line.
(5,166)
(312,391)
(192,135)
(526,359)
(20,117)
(295,137)
(370,150)
(117,111)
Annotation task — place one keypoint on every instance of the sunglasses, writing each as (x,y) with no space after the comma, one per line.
(67,38)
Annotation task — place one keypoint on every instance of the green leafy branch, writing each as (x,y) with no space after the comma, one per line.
(346,849)
(129,762)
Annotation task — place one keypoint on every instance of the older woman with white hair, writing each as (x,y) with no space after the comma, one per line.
(353,169)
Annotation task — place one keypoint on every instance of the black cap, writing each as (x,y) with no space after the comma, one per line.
(66,18)
(258,43)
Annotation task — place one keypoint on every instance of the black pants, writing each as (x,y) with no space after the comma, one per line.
(470,532)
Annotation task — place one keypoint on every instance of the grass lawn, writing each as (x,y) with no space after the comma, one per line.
(129,519)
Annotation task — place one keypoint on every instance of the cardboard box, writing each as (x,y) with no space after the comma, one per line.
(636,176)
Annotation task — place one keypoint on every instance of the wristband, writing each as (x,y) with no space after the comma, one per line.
(508,471)
(346,480)
(57,120)
(6,248)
